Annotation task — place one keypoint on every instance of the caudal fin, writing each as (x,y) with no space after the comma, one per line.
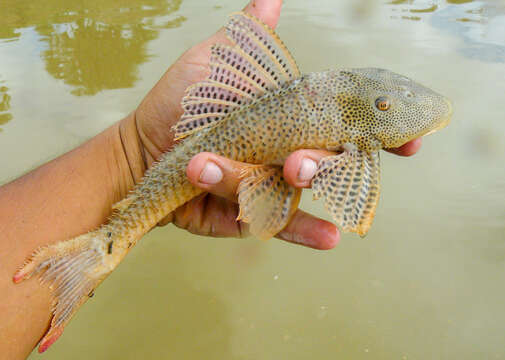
(73,269)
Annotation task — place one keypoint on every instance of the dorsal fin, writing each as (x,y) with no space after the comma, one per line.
(256,38)
(257,62)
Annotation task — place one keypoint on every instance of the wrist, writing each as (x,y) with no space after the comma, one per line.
(133,148)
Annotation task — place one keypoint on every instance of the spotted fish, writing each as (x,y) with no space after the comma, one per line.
(255,107)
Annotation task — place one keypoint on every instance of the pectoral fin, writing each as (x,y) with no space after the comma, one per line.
(349,184)
(267,202)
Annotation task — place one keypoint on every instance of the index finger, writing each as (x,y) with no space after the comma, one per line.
(407,149)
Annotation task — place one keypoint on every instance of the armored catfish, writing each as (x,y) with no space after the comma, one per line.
(255,107)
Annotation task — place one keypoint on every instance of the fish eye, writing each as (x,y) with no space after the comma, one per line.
(382,103)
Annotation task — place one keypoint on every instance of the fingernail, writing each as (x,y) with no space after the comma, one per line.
(293,237)
(307,170)
(211,174)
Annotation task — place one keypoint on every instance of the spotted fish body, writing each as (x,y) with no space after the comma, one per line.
(255,107)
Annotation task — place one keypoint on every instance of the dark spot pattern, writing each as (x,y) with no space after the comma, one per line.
(358,191)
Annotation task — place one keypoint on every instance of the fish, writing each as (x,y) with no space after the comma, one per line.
(255,107)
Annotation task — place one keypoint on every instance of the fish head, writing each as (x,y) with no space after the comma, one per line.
(386,110)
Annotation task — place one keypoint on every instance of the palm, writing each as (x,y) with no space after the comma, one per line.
(160,110)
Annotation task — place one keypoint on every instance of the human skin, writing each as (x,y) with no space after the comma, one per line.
(73,194)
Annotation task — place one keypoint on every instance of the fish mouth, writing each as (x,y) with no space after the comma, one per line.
(444,120)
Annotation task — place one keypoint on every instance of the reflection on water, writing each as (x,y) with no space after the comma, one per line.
(459,1)
(481,24)
(414,6)
(7,33)
(5,100)
(91,45)
(425,10)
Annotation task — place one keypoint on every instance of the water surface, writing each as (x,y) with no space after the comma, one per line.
(426,283)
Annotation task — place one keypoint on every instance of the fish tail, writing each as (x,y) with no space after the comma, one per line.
(73,269)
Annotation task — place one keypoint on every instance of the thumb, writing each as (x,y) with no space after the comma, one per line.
(267,11)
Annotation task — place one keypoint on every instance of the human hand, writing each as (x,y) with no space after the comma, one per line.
(214,213)
(148,132)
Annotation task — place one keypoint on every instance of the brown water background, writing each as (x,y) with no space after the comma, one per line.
(426,283)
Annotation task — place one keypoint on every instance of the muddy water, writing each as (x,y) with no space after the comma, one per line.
(426,283)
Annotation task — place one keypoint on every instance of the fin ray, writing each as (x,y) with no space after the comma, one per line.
(257,62)
(254,31)
(267,202)
(246,63)
(349,183)
(73,269)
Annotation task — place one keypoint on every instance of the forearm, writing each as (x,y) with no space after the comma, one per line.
(61,199)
